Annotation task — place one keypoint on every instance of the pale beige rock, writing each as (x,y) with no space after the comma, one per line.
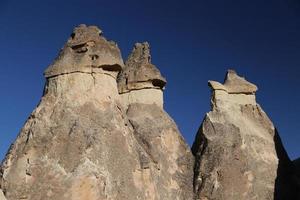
(139,72)
(75,145)
(234,84)
(2,197)
(145,96)
(141,81)
(79,143)
(86,51)
(235,150)
(156,132)
(160,138)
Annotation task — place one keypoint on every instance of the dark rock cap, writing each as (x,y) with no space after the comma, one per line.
(234,84)
(86,49)
(139,73)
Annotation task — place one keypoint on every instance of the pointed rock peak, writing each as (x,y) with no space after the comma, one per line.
(83,34)
(235,91)
(140,54)
(86,51)
(234,84)
(2,197)
(139,72)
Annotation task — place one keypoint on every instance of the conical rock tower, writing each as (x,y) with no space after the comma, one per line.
(79,144)
(237,148)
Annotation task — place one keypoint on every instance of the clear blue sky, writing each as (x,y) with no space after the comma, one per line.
(192,42)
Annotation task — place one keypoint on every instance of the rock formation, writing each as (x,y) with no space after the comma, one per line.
(100,133)
(79,144)
(141,86)
(141,81)
(235,150)
(2,197)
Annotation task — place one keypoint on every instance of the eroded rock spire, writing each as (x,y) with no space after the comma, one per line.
(82,143)
(234,84)
(86,51)
(237,149)
(141,81)
(139,72)
(141,90)
(235,91)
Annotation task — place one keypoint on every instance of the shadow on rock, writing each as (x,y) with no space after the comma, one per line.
(286,182)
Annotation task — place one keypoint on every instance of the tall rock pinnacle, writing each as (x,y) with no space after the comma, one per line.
(100,132)
(86,51)
(80,144)
(237,149)
(141,81)
(75,144)
(141,89)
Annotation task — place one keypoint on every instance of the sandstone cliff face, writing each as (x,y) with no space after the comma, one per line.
(234,148)
(79,144)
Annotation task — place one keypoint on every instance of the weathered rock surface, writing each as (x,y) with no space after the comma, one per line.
(235,149)
(138,75)
(86,51)
(2,197)
(100,133)
(79,144)
(154,129)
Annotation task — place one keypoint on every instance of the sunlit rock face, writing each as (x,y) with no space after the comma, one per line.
(76,144)
(86,51)
(171,161)
(100,132)
(141,81)
(2,197)
(234,148)
(79,144)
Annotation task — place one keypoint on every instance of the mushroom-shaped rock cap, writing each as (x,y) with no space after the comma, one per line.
(139,73)
(84,51)
(234,84)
